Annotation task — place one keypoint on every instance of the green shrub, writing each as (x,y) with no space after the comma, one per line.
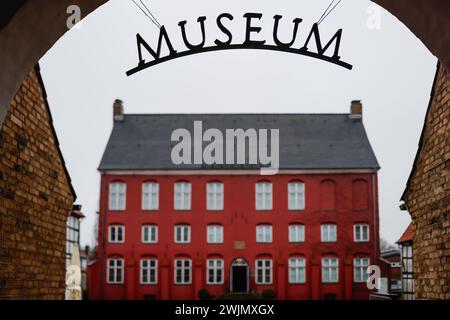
(269,294)
(203,294)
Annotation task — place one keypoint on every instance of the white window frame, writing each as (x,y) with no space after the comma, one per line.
(217,267)
(183,268)
(183,190)
(330,263)
(361,227)
(214,234)
(185,229)
(152,228)
(325,232)
(263,265)
(116,227)
(214,196)
(297,270)
(296,233)
(264,233)
(148,270)
(115,269)
(115,192)
(263,191)
(150,196)
(296,193)
(361,264)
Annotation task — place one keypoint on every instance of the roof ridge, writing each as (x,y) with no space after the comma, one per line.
(234,114)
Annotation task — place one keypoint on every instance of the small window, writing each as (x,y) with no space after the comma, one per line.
(361,232)
(328,233)
(149,234)
(117,196)
(183,271)
(215,234)
(296,196)
(214,193)
(115,271)
(296,233)
(264,234)
(297,272)
(150,196)
(330,270)
(149,271)
(360,266)
(182,234)
(116,234)
(182,196)
(263,271)
(263,196)
(214,271)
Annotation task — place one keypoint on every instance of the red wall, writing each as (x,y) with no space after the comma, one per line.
(239,219)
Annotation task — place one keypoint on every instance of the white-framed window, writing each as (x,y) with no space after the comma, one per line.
(264,233)
(182,196)
(328,232)
(263,271)
(114,272)
(264,196)
(215,234)
(407,284)
(116,233)
(214,195)
(330,270)
(149,233)
(361,232)
(214,271)
(297,270)
(182,233)
(296,196)
(150,196)
(183,271)
(296,233)
(72,236)
(117,196)
(149,271)
(360,265)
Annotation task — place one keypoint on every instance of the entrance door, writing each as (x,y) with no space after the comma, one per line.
(239,276)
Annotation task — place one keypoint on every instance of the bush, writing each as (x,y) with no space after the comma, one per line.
(203,294)
(269,294)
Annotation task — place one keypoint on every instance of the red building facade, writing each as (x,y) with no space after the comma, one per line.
(167,234)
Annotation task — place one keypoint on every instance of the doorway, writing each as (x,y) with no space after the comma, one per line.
(239,276)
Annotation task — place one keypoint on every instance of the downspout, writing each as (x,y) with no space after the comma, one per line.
(102,230)
(375,221)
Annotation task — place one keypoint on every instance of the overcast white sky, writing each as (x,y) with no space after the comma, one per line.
(393,73)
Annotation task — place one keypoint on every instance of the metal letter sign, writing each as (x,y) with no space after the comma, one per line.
(226,43)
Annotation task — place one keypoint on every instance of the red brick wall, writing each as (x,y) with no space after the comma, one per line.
(428,198)
(239,219)
(35,197)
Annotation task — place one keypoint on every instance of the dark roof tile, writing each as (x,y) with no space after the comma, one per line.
(307,141)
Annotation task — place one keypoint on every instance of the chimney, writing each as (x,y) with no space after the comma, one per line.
(356,109)
(118,110)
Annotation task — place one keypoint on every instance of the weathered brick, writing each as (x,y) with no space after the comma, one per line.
(35,197)
(428,197)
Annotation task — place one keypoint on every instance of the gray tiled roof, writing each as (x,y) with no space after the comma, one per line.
(307,141)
